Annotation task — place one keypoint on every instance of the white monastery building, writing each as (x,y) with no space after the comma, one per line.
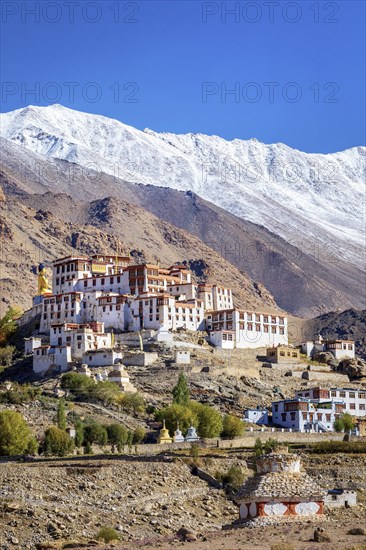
(93,298)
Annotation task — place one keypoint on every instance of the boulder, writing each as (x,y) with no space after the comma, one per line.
(354,368)
(187,534)
(325,357)
(320,535)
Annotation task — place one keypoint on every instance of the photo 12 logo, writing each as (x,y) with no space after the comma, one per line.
(269,91)
(68,92)
(269,12)
(69,12)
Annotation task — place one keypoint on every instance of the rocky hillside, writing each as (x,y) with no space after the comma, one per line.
(31,234)
(347,324)
(302,283)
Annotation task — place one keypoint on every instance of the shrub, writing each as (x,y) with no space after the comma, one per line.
(15,434)
(107,534)
(234,477)
(19,394)
(332,447)
(282,546)
(232,426)
(131,402)
(194,451)
(8,325)
(57,442)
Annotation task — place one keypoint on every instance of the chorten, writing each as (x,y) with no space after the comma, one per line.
(164,436)
(178,436)
(280,488)
(192,434)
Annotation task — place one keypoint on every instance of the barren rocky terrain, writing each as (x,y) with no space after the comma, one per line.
(149,500)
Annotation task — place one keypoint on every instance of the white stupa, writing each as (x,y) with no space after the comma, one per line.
(178,436)
(192,434)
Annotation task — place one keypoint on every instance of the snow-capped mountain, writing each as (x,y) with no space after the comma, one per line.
(314,201)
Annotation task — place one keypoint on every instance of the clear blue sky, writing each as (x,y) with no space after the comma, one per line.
(297,68)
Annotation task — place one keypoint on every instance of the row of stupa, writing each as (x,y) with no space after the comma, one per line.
(164,436)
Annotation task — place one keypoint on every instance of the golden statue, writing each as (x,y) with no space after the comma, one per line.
(43,285)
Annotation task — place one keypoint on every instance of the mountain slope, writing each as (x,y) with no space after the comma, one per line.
(304,284)
(30,235)
(310,200)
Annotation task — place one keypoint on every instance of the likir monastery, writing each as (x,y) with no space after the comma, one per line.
(93,298)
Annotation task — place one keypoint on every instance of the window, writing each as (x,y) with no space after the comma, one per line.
(273,330)
(283,416)
(111,280)
(362,395)
(352,406)
(265,328)
(258,328)
(276,408)
(293,415)
(85,283)
(102,281)
(342,394)
(333,394)
(350,347)
(361,407)
(352,394)
(282,330)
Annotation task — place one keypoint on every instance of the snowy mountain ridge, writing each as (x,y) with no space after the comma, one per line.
(314,201)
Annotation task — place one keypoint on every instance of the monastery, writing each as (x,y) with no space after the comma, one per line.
(93,298)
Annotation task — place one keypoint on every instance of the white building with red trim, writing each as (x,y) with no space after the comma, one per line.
(237,328)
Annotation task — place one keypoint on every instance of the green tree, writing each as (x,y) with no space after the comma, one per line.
(14,433)
(32,447)
(209,419)
(82,386)
(130,441)
(131,402)
(181,391)
(79,433)
(138,435)
(232,426)
(88,449)
(338,424)
(6,356)
(8,324)
(95,433)
(117,436)
(344,423)
(175,414)
(61,415)
(57,442)
(348,422)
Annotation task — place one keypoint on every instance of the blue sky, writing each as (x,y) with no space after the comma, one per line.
(296,70)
